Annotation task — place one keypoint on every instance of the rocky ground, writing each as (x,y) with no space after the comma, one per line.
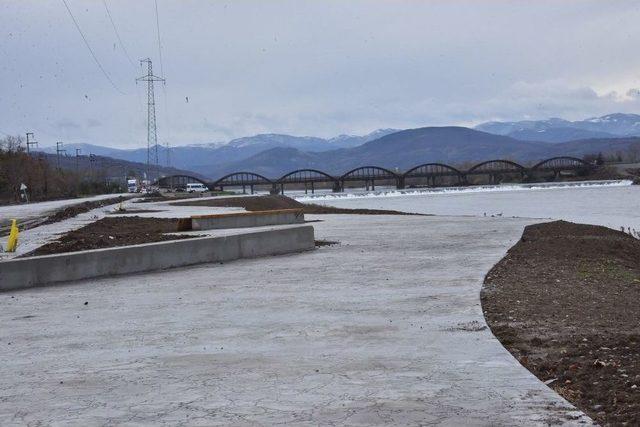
(565,302)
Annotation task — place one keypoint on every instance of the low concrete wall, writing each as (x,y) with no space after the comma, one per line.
(247,219)
(50,269)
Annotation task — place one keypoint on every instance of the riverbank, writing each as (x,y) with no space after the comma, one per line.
(564,302)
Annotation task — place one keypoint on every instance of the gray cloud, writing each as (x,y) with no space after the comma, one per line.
(314,67)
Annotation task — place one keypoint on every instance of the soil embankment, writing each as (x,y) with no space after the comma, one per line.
(111,232)
(565,301)
(273,202)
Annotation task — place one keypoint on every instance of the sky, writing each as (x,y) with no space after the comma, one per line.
(303,67)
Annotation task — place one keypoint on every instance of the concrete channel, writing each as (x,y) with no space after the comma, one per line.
(384,328)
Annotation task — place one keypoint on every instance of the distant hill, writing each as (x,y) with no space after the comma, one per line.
(556,135)
(559,130)
(110,168)
(404,149)
(205,158)
(274,154)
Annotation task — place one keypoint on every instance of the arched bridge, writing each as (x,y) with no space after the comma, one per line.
(496,170)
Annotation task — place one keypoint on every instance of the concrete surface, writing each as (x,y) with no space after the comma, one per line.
(385,328)
(51,269)
(38,236)
(33,210)
(247,219)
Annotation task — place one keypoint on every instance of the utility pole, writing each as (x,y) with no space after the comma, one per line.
(30,142)
(78,150)
(152,136)
(92,160)
(59,150)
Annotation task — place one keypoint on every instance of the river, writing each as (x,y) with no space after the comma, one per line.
(613,204)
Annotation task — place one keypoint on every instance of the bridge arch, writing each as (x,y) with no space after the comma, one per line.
(560,163)
(428,169)
(495,170)
(496,166)
(431,171)
(242,179)
(307,176)
(369,174)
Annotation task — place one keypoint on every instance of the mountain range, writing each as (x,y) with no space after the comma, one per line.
(274,154)
(405,149)
(559,130)
(206,159)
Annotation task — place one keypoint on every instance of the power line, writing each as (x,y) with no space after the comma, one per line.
(95,58)
(164,87)
(115,30)
(159,42)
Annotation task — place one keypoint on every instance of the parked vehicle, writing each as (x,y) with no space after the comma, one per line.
(196,188)
(133,186)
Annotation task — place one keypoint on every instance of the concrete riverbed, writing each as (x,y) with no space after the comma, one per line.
(384,328)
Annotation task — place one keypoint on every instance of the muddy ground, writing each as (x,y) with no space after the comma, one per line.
(111,232)
(273,202)
(565,301)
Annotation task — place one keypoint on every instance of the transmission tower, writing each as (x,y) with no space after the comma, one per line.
(30,142)
(152,135)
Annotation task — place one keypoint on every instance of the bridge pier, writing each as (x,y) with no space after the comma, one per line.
(400,183)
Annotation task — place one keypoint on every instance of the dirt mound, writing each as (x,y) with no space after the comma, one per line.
(250,203)
(273,202)
(111,232)
(565,301)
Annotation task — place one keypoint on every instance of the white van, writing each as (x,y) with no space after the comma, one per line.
(196,187)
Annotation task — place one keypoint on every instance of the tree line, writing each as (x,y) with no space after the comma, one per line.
(44,180)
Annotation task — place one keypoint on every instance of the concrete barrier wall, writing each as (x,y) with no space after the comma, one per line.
(50,269)
(247,219)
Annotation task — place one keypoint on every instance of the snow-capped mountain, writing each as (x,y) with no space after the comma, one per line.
(560,130)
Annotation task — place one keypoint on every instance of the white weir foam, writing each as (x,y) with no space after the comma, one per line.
(460,190)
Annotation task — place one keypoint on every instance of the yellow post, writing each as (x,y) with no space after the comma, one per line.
(12,244)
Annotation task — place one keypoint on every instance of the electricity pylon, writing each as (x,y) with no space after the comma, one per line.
(152,135)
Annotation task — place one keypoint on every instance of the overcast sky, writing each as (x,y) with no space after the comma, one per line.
(318,68)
